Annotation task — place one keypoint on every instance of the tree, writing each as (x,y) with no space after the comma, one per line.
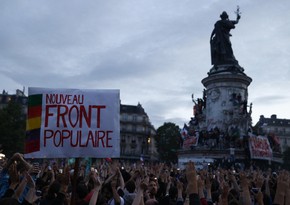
(168,141)
(12,128)
(286,158)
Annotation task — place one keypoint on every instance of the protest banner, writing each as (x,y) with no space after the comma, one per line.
(190,141)
(260,147)
(65,123)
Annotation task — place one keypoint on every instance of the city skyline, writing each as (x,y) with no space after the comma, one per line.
(155,52)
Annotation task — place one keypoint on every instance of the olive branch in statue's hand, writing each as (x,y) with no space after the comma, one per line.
(238,13)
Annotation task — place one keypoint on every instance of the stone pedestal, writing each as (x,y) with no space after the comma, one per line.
(226,100)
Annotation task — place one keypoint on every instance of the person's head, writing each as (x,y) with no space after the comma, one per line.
(224,15)
(173,192)
(151,202)
(152,187)
(53,189)
(54,167)
(82,190)
(106,191)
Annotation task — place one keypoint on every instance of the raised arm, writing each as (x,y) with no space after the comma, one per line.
(139,198)
(115,192)
(245,193)
(31,195)
(121,179)
(259,183)
(18,158)
(97,187)
(282,186)
(192,189)
(19,190)
(238,19)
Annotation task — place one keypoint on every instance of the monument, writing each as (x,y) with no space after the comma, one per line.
(222,117)
(226,86)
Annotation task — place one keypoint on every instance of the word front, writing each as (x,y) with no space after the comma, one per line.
(73,116)
(58,138)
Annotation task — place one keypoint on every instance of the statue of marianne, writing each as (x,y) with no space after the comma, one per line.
(220,44)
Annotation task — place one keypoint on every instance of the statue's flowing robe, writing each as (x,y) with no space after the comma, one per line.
(221,47)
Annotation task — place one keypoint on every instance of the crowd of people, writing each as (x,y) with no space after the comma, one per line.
(112,182)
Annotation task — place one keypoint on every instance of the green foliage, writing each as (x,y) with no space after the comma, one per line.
(168,142)
(12,128)
(286,158)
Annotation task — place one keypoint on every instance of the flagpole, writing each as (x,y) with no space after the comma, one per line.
(74,182)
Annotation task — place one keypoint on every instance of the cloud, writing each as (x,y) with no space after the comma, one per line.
(155,52)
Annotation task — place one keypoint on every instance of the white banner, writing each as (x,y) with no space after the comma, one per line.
(260,147)
(190,141)
(66,123)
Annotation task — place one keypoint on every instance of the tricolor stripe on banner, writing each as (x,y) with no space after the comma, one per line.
(33,123)
(34,111)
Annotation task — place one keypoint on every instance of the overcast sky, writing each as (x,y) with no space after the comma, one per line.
(155,51)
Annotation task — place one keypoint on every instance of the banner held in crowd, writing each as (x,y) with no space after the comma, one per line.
(73,123)
(260,147)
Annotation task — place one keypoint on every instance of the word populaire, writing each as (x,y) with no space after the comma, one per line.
(76,138)
(68,119)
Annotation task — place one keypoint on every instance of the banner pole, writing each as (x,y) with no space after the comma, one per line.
(74,182)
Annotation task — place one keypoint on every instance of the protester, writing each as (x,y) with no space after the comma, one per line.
(109,183)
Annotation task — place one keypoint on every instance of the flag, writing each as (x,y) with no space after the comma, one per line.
(184,132)
(108,160)
(33,124)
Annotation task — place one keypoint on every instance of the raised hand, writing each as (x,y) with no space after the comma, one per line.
(191,179)
(14,175)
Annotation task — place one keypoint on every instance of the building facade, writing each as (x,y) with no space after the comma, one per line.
(18,97)
(276,129)
(137,134)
